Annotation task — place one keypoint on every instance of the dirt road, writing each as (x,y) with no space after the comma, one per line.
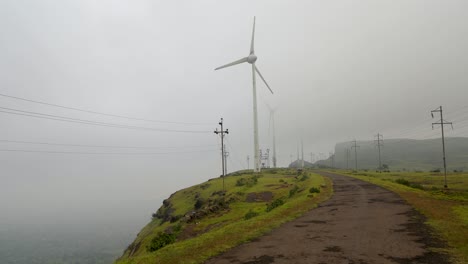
(361,224)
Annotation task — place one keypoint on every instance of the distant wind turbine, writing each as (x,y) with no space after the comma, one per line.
(272,123)
(251,59)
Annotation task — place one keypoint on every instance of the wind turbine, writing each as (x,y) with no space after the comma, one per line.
(272,123)
(251,59)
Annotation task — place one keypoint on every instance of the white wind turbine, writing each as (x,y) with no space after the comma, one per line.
(251,59)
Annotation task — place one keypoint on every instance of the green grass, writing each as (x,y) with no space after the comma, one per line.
(446,209)
(215,233)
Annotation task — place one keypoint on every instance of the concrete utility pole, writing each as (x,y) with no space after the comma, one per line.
(355,153)
(347,152)
(267,158)
(442,122)
(332,160)
(297,152)
(302,146)
(222,132)
(226,154)
(274,137)
(379,142)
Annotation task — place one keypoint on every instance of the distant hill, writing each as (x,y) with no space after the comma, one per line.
(298,164)
(404,154)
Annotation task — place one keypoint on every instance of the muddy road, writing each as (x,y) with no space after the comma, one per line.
(361,224)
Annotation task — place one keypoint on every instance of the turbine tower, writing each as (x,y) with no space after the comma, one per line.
(251,59)
(272,123)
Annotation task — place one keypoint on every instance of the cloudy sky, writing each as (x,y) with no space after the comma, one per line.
(339,69)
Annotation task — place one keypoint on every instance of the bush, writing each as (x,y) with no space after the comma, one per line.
(249,182)
(293,191)
(403,182)
(160,241)
(416,186)
(314,190)
(199,203)
(304,177)
(409,184)
(276,203)
(250,214)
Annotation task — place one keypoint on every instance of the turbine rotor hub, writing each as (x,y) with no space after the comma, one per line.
(251,58)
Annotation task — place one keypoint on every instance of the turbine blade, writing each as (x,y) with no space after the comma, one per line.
(256,69)
(252,41)
(233,63)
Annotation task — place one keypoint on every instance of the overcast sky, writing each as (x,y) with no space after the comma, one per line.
(339,69)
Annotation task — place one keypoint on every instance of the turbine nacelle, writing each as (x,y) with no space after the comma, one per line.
(252,58)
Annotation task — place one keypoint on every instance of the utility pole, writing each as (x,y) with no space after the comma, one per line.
(268,158)
(248,162)
(442,122)
(298,152)
(274,138)
(226,154)
(302,147)
(355,153)
(347,151)
(379,142)
(333,160)
(222,132)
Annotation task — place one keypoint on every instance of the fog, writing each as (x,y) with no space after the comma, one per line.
(339,70)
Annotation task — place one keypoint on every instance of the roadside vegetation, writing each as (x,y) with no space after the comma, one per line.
(202,221)
(445,209)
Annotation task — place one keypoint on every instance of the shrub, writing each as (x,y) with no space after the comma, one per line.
(160,241)
(250,214)
(402,181)
(241,182)
(314,190)
(293,191)
(409,184)
(199,203)
(249,182)
(304,177)
(416,186)
(276,203)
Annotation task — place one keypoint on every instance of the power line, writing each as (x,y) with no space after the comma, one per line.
(102,153)
(89,122)
(98,146)
(99,113)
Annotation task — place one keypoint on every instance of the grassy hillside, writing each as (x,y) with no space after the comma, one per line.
(202,221)
(405,154)
(446,210)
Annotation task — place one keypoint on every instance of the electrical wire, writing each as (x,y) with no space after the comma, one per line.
(89,122)
(102,153)
(99,113)
(99,146)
